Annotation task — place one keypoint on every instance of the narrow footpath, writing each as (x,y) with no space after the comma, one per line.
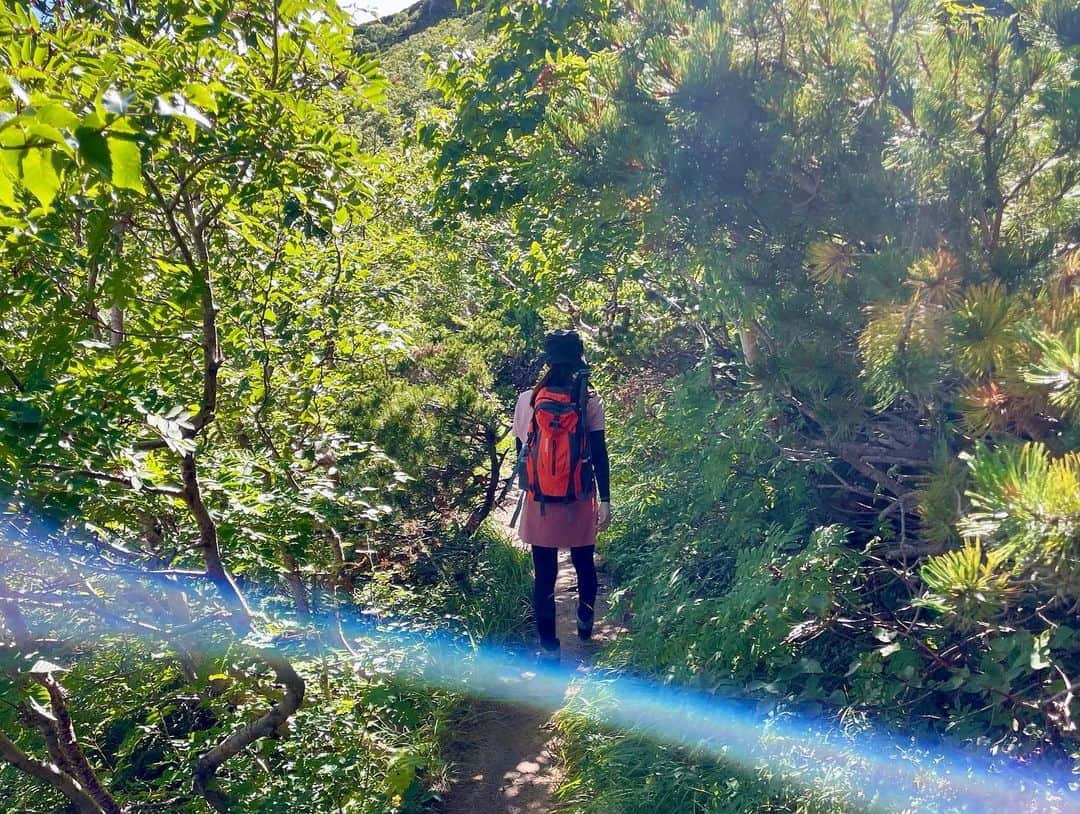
(506,756)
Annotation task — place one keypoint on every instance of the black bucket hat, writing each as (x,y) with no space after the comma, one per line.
(564,347)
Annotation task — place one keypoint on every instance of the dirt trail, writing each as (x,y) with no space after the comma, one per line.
(506,756)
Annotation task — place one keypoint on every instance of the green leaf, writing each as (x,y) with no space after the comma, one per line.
(38,694)
(39,174)
(1040,651)
(18,91)
(116,102)
(202,96)
(95,150)
(883,635)
(42,667)
(46,132)
(179,107)
(126,159)
(402,770)
(58,116)
(7,191)
(889,649)
(812,666)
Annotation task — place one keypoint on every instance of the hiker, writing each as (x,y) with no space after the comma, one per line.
(563,464)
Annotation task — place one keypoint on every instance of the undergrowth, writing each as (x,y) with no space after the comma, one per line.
(715,561)
(473,588)
(737,587)
(369,737)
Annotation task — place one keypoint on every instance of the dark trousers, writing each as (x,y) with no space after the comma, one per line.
(546,568)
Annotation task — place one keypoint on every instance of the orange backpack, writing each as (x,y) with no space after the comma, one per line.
(557,466)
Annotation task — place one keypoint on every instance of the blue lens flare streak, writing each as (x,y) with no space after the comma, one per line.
(894,772)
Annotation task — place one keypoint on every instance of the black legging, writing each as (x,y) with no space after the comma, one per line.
(546,567)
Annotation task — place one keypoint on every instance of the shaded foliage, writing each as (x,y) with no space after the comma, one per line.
(858,220)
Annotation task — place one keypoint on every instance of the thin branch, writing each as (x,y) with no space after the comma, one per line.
(69,744)
(266,726)
(50,774)
(31,713)
(211,553)
(120,480)
(490,493)
(15,380)
(14,619)
(207,219)
(170,219)
(180,573)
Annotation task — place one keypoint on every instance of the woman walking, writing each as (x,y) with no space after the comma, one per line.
(563,460)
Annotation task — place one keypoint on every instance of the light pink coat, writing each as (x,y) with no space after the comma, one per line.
(562,525)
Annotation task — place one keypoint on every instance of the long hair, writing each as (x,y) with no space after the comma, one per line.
(560,374)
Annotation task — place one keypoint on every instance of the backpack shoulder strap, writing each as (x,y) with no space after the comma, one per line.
(581,391)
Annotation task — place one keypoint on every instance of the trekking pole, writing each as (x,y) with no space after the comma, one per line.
(517,510)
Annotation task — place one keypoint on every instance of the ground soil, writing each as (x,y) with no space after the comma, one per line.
(505,757)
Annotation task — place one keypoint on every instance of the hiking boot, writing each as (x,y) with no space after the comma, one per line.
(550,652)
(584,628)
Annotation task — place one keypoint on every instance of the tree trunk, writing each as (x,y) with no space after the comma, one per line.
(296,585)
(116,326)
(208,543)
(495,463)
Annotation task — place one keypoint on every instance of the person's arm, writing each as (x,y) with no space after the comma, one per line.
(601,466)
(602,471)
